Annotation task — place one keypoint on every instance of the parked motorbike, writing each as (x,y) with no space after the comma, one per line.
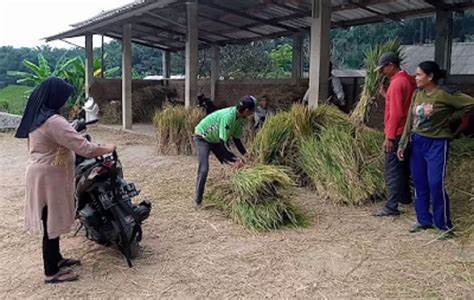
(103,198)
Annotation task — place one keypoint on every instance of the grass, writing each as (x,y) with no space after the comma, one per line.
(257,197)
(13,98)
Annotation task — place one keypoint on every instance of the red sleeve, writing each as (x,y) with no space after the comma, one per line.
(395,95)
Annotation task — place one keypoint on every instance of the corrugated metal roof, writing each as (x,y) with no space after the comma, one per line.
(462,58)
(234,21)
(109,13)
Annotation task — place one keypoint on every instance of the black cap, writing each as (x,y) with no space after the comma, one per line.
(386,59)
(247,102)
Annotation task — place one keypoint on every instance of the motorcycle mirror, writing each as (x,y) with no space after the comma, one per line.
(92,110)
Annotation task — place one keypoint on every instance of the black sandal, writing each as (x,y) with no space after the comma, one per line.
(57,277)
(68,262)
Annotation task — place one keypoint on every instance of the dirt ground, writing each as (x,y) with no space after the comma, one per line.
(201,254)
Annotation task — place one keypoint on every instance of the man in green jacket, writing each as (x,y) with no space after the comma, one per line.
(214,132)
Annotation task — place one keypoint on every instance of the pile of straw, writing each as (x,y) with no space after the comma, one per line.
(175,128)
(373,81)
(342,161)
(344,166)
(460,185)
(278,141)
(257,197)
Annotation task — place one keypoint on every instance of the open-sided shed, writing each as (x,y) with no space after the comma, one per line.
(176,25)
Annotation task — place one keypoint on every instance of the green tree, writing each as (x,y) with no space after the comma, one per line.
(281,61)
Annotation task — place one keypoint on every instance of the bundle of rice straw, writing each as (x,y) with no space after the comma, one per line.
(174,129)
(257,197)
(460,186)
(344,165)
(373,80)
(278,141)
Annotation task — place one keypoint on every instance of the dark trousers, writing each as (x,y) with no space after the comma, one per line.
(428,166)
(397,179)
(51,253)
(203,150)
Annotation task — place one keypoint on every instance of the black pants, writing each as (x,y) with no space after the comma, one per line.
(51,254)
(397,178)
(203,150)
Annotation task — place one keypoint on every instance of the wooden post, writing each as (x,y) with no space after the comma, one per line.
(215,53)
(297,68)
(190,89)
(320,54)
(89,65)
(127,77)
(444,39)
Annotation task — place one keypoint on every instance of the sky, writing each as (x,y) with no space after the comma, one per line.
(24,23)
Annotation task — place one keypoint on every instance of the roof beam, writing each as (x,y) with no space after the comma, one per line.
(118,36)
(352,5)
(152,36)
(157,16)
(184,26)
(402,15)
(439,4)
(371,10)
(278,19)
(213,5)
(291,8)
(376,19)
(147,24)
(237,28)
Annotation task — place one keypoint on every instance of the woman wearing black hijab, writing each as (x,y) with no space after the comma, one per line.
(49,182)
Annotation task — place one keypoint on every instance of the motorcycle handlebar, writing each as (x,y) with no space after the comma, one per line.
(92,122)
(114,156)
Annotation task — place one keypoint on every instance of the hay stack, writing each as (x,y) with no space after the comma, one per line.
(257,197)
(174,129)
(373,80)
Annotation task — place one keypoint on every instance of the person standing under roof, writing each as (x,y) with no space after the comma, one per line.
(262,112)
(397,102)
(428,131)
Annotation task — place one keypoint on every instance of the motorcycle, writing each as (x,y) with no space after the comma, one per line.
(103,197)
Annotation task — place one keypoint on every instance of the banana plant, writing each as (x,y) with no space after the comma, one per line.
(75,74)
(37,72)
(72,70)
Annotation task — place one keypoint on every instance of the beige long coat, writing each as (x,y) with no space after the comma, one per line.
(50,175)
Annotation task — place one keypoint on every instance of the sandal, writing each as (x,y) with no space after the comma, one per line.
(62,276)
(68,262)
